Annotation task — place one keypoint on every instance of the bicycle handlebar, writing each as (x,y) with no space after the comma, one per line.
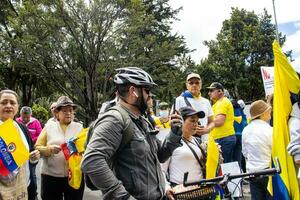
(227,177)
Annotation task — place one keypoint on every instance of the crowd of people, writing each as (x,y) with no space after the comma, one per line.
(133,153)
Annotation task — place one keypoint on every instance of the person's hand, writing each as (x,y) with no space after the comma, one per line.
(34,155)
(170,194)
(269,99)
(54,149)
(201,130)
(297,162)
(176,124)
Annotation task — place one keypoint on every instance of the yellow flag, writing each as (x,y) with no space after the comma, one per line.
(212,162)
(80,141)
(13,152)
(285,185)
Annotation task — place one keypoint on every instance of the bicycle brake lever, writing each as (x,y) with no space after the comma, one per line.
(278,166)
(225,179)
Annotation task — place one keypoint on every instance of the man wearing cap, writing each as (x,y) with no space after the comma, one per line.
(192,97)
(136,172)
(223,133)
(257,147)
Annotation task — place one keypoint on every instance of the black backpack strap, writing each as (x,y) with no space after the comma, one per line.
(129,126)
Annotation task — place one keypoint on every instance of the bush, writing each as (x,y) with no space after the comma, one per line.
(40,113)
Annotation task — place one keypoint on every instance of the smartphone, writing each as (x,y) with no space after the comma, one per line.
(199,124)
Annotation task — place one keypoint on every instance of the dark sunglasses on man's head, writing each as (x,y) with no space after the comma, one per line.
(211,90)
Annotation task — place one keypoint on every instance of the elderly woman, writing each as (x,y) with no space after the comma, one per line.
(19,184)
(54,170)
(33,125)
(190,157)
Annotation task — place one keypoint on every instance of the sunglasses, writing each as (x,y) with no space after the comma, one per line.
(147,90)
(211,90)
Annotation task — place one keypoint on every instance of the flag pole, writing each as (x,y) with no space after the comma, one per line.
(276,25)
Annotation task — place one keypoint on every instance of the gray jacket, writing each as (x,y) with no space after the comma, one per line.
(294,126)
(137,173)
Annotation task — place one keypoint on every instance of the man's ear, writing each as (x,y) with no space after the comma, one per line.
(132,91)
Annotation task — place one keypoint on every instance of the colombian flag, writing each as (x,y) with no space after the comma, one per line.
(285,185)
(73,150)
(13,152)
(75,145)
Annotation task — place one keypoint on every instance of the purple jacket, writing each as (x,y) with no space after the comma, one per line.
(34,127)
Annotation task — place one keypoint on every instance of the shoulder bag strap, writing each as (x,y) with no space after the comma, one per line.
(194,153)
(187,102)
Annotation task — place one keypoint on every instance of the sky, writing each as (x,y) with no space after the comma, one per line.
(201,20)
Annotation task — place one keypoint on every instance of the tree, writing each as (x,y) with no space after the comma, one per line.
(146,41)
(76,45)
(242,46)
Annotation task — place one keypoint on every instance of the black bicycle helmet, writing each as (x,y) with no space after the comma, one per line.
(133,75)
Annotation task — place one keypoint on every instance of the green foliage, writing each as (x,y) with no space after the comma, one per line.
(242,46)
(72,47)
(40,113)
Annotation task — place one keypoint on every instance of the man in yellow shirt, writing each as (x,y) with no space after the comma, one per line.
(223,132)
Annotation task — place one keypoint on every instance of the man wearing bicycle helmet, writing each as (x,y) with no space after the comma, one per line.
(136,171)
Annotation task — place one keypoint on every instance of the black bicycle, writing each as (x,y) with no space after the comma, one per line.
(207,189)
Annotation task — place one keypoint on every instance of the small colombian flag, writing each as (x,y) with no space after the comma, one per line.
(13,152)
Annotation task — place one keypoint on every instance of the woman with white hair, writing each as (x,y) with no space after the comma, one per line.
(33,125)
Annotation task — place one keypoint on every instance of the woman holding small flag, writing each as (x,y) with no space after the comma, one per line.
(16,163)
(55,144)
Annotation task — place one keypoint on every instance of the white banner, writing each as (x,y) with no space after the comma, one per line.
(267,74)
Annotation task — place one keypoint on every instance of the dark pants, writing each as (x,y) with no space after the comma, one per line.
(258,189)
(227,146)
(57,188)
(237,151)
(32,188)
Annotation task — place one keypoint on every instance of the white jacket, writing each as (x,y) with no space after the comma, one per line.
(294,127)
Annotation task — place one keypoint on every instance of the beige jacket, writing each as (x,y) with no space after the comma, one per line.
(55,133)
